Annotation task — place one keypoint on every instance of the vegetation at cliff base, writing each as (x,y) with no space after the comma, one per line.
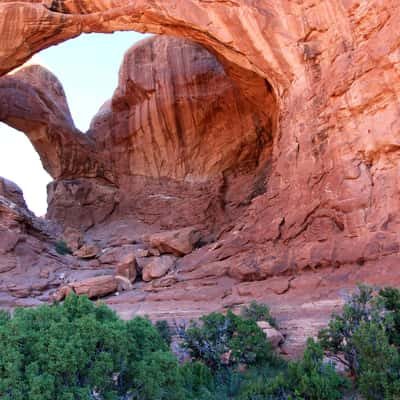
(258,312)
(80,350)
(365,337)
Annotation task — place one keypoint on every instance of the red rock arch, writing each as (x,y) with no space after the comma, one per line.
(247,33)
(331,203)
(334,68)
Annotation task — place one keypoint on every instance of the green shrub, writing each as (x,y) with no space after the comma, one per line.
(337,338)
(378,363)
(198,380)
(258,312)
(367,333)
(307,379)
(389,300)
(4,317)
(312,379)
(80,351)
(158,376)
(264,382)
(227,340)
(164,330)
(62,248)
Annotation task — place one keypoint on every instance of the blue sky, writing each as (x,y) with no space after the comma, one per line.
(88,69)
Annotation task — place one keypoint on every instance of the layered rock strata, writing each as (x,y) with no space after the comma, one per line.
(325,214)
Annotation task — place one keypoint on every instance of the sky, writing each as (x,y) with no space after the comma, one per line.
(87,67)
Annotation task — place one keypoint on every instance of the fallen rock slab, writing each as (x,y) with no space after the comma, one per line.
(124,284)
(158,267)
(178,242)
(98,286)
(127,267)
(87,251)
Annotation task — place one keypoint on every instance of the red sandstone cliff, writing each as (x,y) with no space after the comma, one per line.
(325,213)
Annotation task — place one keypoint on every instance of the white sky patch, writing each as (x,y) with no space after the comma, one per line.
(20,163)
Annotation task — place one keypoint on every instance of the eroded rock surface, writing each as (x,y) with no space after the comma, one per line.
(320,210)
(28,264)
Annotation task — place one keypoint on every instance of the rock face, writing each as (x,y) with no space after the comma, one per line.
(178,133)
(81,203)
(181,135)
(176,115)
(307,207)
(9,190)
(28,264)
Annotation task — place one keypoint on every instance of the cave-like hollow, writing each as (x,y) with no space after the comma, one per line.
(185,140)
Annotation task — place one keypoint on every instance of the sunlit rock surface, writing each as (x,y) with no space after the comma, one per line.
(323,212)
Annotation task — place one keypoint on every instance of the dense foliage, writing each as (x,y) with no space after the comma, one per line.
(365,337)
(164,330)
(258,312)
(227,340)
(308,379)
(79,350)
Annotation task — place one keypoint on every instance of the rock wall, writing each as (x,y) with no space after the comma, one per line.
(28,263)
(178,134)
(329,213)
(176,115)
(333,66)
(181,135)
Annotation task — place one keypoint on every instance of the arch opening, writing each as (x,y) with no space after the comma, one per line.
(185,139)
(20,164)
(87,84)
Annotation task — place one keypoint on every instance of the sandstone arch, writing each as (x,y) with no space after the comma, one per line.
(334,68)
(36,25)
(33,101)
(330,213)
(178,132)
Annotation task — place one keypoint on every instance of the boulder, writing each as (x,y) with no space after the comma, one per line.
(274,336)
(178,242)
(127,267)
(113,255)
(98,286)
(62,293)
(124,284)
(94,287)
(87,251)
(158,267)
(73,238)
